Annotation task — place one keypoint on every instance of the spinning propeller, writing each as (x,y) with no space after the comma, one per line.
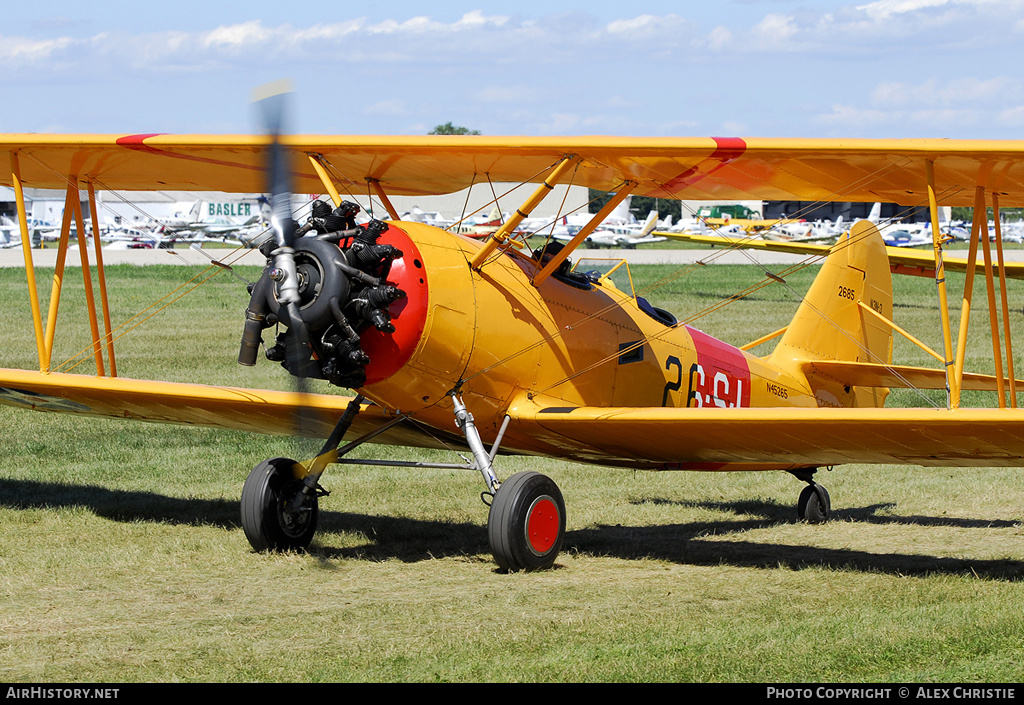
(279,512)
(326,282)
(271,100)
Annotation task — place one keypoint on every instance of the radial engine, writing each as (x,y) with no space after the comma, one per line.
(342,272)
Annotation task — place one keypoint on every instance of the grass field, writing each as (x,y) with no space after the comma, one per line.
(122,558)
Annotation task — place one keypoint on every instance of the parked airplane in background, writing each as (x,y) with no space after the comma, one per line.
(10,233)
(418,215)
(805,231)
(213,217)
(626,236)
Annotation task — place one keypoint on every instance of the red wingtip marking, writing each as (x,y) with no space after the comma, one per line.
(138,142)
(133,140)
(729,147)
(726,150)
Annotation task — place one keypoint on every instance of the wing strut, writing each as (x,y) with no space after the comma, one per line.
(58,279)
(499,237)
(73,209)
(584,233)
(101,278)
(26,251)
(379,190)
(318,167)
(940,281)
(90,300)
(1006,308)
(979,235)
(872,312)
(993,312)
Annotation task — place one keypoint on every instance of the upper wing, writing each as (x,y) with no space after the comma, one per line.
(904,260)
(689,168)
(743,438)
(254,410)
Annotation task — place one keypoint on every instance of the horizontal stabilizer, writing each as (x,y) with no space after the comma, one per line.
(867,374)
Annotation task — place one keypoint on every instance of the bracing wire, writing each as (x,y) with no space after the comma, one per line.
(735,245)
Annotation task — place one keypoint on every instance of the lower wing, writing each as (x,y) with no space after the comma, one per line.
(642,437)
(780,438)
(253,410)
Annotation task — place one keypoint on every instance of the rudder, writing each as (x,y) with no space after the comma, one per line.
(830,323)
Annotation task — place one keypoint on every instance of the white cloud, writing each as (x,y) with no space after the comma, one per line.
(851,69)
(732,127)
(18,50)
(237,36)
(847,116)
(937,108)
(720,38)
(389,108)
(637,24)
(1012,117)
(968,91)
(776,29)
(886,9)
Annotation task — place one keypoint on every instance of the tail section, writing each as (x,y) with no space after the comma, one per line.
(621,213)
(649,224)
(832,326)
(875,216)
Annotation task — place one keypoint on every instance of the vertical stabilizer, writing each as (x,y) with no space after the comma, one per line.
(875,216)
(620,214)
(831,323)
(649,224)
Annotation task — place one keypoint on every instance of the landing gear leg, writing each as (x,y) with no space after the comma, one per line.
(280,498)
(814,505)
(526,523)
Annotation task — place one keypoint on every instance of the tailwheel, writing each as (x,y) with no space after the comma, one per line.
(814,505)
(276,514)
(526,524)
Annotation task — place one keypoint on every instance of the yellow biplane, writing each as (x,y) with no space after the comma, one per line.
(524,353)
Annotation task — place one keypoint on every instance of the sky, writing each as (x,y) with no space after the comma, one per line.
(747,68)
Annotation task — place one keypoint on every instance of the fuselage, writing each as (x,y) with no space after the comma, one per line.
(500,341)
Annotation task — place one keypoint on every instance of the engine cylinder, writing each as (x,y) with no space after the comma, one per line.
(344,292)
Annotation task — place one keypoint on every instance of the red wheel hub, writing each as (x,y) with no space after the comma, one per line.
(542,525)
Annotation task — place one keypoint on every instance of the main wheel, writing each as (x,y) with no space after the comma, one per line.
(814,504)
(526,523)
(271,518)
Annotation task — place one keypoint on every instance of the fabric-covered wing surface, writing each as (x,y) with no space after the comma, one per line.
(709,439)
(691,168)
(652,438)
(253,410)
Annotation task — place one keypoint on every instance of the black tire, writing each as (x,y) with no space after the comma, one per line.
(268,519)
(526,524)
(814,505)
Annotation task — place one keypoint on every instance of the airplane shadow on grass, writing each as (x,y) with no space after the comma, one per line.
(714,542)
